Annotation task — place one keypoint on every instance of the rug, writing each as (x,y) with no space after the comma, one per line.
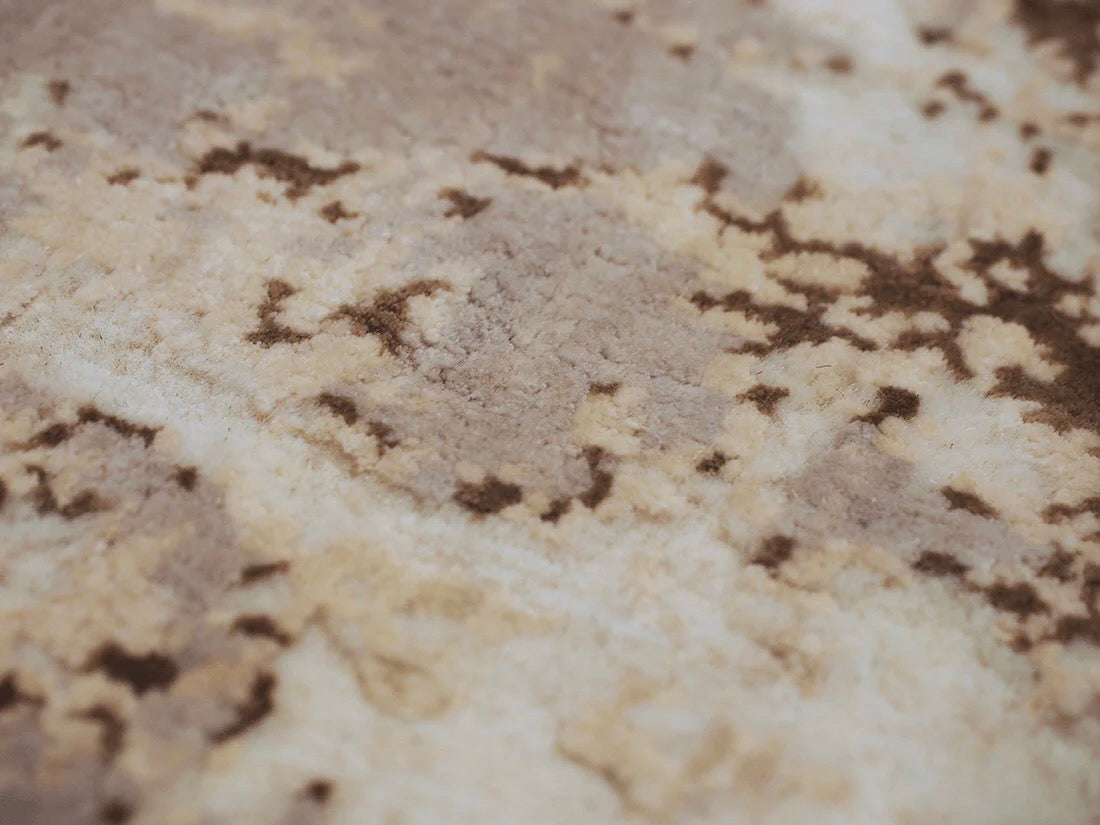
(503,411)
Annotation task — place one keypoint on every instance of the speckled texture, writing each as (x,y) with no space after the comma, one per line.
(549,412)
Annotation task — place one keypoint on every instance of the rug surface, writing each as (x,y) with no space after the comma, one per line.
(510,411)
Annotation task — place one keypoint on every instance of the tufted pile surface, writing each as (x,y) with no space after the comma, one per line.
(509,411)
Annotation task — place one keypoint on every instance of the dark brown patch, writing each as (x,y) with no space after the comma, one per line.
(265,570)
(319,791)
(682,51)
(893,402)
(839,64)
(602,480)
(931,35)
(260,703)
(774,552)
(958,83)
(932,109)
(934,563)
(490,496)
(186,477)
(112,730)
(765,397)
(609,388)
(1058,566)
(260,625)
(43,139)
(51,436)
(42,496)
(123,177)
(334,211)
(82,504)
(59,90)
(1073,628)
(1028,130)
(115,812)
(959,500)
(339,405)
(554,178)
(3,493)
(388,314)
(383,435)
(151,671)
(463,204)
(1072,24)
(558,508)
(270,331)
(803,190)
(11,695)
(624,16)
(293,170)
(709,175)
(713,463)
(127,429)
(1019,598)
(1040,160)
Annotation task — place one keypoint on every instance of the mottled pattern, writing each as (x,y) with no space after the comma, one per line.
(513,411)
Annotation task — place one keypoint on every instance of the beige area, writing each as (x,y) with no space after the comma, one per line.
(570,412)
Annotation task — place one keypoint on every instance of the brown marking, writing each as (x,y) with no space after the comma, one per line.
(960,500)
(839,64)
(262,626)
(1058,566)
(339,405)
(293,170)
(318,791)
(43,139)
(1074,628)
(712,464)
(774,552)
(50,437)
(383,435)
(11,695)
(1019,598)
(115,812)
(42,496)
(932,109)
(1073,24)
(150,671)
(59,90)
(388,314)
(207,116)
(3,493)
(463,204)
(709,175)
(934,563)
(1028,130)
(1040,160)
(123,177)
(765,397)
(893,402)
(270,331)
(932,35)
(558,508)
(186,477)
(682,51)
(958,83)
(624,16)
(260,703)
(803,189)
(554,178)
(82,504)
(609,388)
(602,480)
(490,496)
(334,211)
(88,414)
(264,570)
(112,730)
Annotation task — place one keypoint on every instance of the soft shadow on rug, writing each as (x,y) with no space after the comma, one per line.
(511,411)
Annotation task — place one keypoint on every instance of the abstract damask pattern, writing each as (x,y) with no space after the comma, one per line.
(580,412)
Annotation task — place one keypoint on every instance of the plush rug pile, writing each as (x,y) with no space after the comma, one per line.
(508,411)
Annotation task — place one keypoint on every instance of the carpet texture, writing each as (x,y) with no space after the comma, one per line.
(508,411)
